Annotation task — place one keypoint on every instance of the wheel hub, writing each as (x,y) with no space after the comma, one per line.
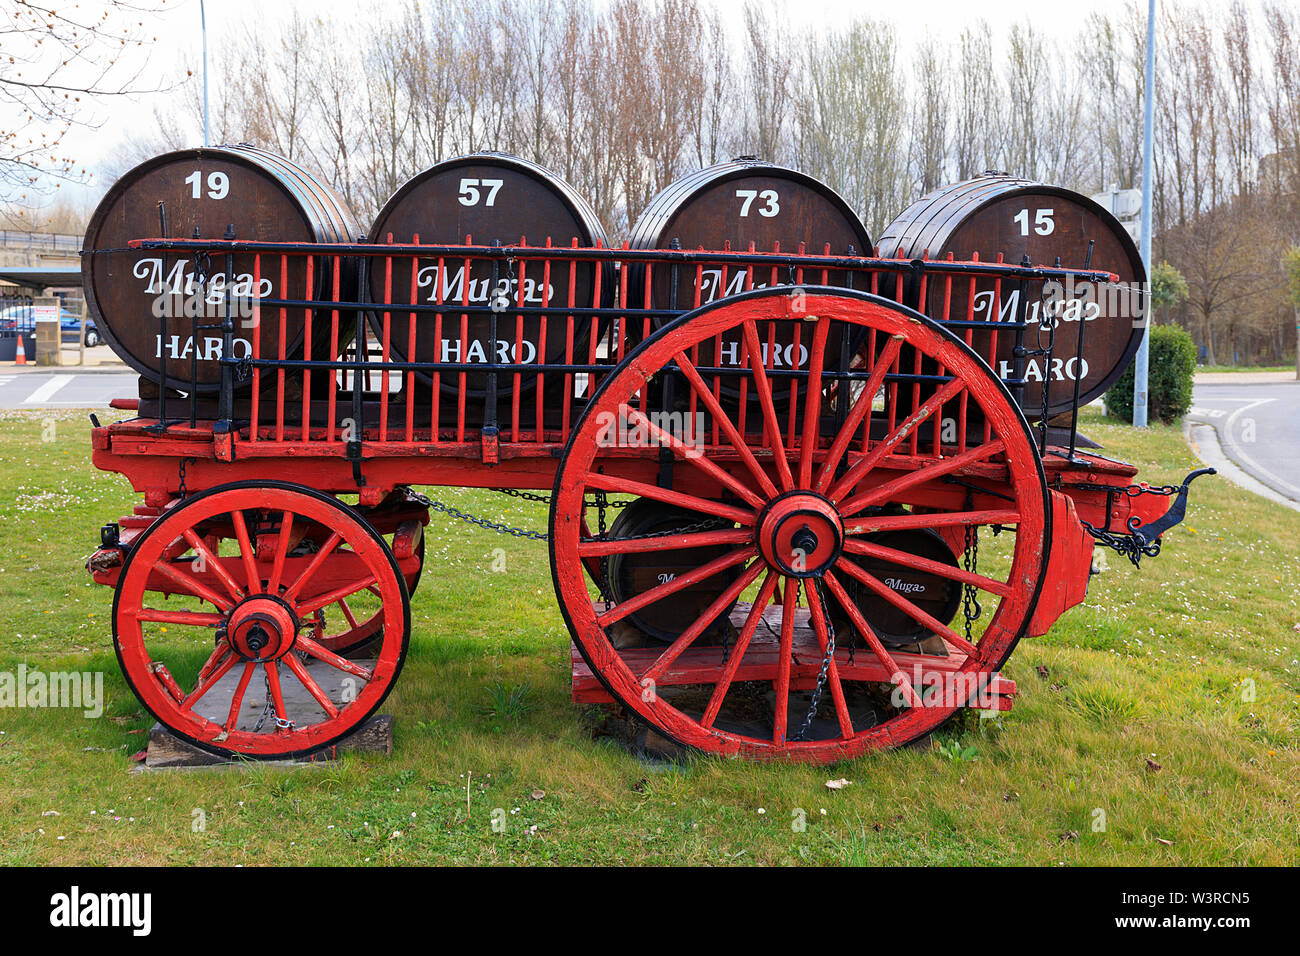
(800,534)
(262,628)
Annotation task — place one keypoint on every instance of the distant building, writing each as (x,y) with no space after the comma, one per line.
(1126,206)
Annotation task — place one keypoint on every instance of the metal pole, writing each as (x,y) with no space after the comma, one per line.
(1144,347)
(81,340)
(203,21)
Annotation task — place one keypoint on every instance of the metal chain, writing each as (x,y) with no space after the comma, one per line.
(266,711)
(970,605)
(181,488)
(1132,545)
(473,519)
(826,660)
(601,504)
(603,584)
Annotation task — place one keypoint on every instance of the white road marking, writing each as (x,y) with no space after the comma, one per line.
(1290,490)
(45,392)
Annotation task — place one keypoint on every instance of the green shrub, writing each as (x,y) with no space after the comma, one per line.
(1169,378)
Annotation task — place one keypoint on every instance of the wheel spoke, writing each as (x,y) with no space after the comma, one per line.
(189,584)
(689,502)
(325,600)
(332,659)
(944,466)
(859,411)
(669,542)
(277,696)
(857,546)
(661,591)
(887,444)
(232,719)
(903,522)
(907,607)
(217,656)
(813,403)
(281,551)
(197,693)
(347,613)
(212,561)
(764,389)
(333,542)
(726,425)
(694,456)
(706,618)
(309,682)
(737,654)
(818,614)
(896,674)
(780,717)
(247,552)
(192,618)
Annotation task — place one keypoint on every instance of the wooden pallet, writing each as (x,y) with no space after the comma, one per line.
(701,665)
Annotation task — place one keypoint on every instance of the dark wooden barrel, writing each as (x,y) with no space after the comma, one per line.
(734,204)
(486,197)
(741,202)
(203,192)
(631,574)
(996,213)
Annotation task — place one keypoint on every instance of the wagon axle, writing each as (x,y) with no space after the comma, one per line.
(800,534)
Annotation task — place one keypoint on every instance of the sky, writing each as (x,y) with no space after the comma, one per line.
(114,119)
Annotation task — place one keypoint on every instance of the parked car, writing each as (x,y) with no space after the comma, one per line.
(14,317)
(22,317)
(70,326)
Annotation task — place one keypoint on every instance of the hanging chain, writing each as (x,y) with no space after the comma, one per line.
(266,711)
(970,605)
(481,522)
(826,659)
(180,471)
(603,584)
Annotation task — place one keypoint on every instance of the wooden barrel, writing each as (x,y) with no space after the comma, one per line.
(203,193)
(634,573)
(485,197)
(995,213)
(735,205)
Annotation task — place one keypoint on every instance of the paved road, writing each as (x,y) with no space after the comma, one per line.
(1259,428)
(32,389)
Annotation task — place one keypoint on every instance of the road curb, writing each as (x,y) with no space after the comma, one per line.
(1203,439)
(65,370)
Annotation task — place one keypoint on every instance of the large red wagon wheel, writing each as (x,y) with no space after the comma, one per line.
(214,610)
(804,497)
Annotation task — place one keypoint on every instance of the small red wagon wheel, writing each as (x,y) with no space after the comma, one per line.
(213,619)
(811,503)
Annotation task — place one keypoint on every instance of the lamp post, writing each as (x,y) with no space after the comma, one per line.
(203,23)
(1140,367)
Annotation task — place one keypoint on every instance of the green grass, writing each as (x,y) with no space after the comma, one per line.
(1153,666)
(1245,368)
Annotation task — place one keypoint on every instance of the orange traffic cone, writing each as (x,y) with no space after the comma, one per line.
(20,357)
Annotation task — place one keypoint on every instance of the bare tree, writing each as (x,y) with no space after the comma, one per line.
(977,133)
(57,62)
(767,81)
(932,116)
